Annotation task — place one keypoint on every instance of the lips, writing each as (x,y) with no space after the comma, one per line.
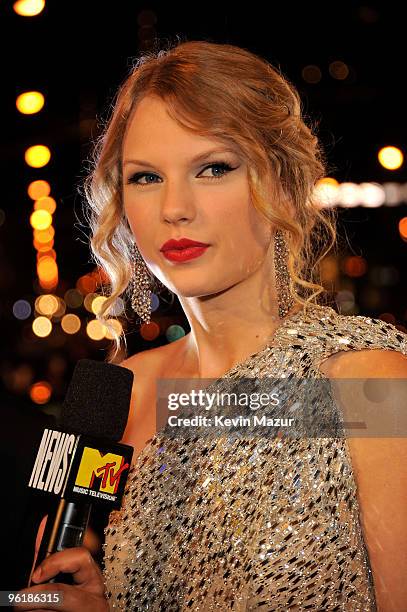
(182,243)
(183,249)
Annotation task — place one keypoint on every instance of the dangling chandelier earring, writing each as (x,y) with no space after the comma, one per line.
(282,275)
(140,286)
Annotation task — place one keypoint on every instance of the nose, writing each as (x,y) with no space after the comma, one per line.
(177,205)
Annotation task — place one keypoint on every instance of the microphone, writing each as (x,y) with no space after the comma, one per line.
(81,463)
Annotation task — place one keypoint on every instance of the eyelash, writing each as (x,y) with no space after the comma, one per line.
(138,175)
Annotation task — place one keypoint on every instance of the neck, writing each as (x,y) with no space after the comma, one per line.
(225,328)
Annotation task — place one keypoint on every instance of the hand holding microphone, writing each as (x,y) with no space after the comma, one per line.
(77,466)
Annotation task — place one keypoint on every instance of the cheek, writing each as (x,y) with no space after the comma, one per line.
(139,219)
(245,225)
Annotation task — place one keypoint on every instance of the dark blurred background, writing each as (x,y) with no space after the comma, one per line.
(348,63)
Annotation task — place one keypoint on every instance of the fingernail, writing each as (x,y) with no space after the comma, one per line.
(37,574)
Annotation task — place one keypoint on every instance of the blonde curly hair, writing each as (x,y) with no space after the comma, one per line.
(226,92)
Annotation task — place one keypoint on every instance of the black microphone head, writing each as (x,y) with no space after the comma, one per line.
(97,402)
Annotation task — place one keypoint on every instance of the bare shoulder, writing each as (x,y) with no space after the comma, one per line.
(143,361)
(147,366)
(366,363)
(151,359)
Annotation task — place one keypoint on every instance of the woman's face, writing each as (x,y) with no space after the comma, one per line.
(168,195)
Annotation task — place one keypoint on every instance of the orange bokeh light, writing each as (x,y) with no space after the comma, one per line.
(403,228)
(100,276)
(40,392)
(44,236)
(47,269)
(45,203)
(355,266)
(39,189)
(43,247)
(86,284)
(150,331)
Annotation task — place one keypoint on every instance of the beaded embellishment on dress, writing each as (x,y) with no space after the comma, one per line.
(250,524)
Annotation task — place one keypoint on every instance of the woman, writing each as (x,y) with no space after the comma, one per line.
(207,143)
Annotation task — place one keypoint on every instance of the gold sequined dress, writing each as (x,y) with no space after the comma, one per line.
(250,524)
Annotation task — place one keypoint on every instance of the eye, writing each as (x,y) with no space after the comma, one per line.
(134,178)
(223,166)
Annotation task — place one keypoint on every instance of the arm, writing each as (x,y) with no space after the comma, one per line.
(380,468)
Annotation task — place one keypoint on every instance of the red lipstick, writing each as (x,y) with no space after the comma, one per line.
(183,249)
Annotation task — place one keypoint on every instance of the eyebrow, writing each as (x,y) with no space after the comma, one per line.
(195,159)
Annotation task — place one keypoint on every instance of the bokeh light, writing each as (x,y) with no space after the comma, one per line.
(45,247)
(329,269)
(40,219)
(59,313)
(45,203)
(73,298)
(150,331)
(87,302)
(117,326)
(86,284)
(30,102)
(47,269)
(326,192)
(117,308)
(97,304)
(155,302)
(46,305)
(20,378)
(311,74)
(44,236)
(174,332)
(345,301)
(40,392)
(373,195)
(390,158)
(355,266)
(42,327)
(37,156)
(21,309)
(338,70)
(71,323)
(29,8)
(95,330)
(38,189)
(403,228)
(349,195)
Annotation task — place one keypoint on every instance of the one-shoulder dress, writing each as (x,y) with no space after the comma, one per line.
(270,524)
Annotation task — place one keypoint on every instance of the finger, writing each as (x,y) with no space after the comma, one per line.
(76,561)
(91,541)
(40,533)
(38,541)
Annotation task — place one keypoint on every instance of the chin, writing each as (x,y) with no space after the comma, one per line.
(202,290)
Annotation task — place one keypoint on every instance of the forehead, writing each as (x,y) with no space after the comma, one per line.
(151,128)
